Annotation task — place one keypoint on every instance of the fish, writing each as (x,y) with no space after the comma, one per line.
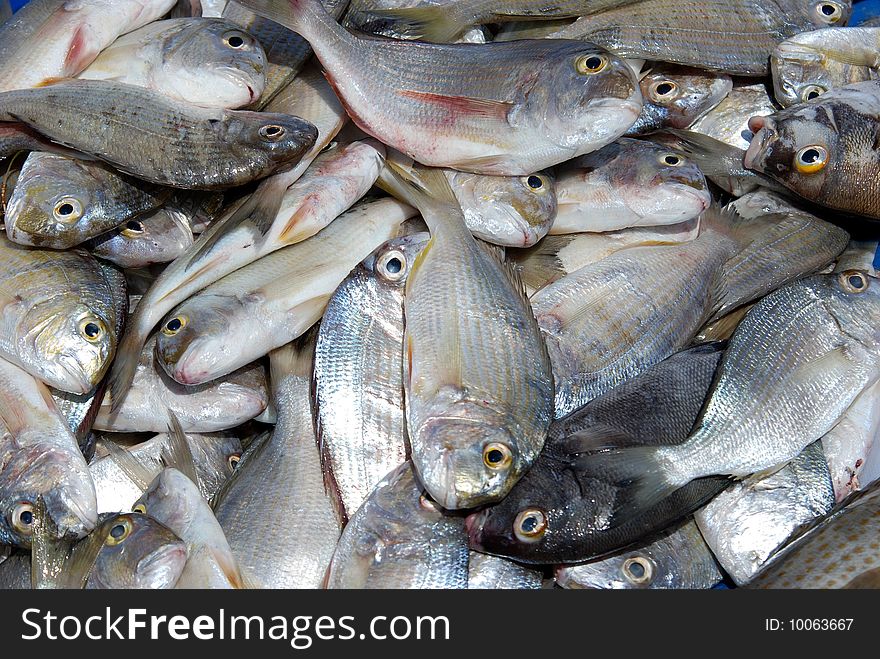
(126,550)
(748,522)
(823,148)
(558,513)
(607,321)
(175,501)
(557,256)
(213,8)
(286,51)
(218,405)
(859,255)
(215,455)
(840,551)
(678,96)
(336,181)
(209,62)
(677,558)
(152,137)
(60,202)
(58,39)
(273,300)
(730,36)
(284,471)
(728,122)
(626,184)
(493,572)
(793,367)
(807,65)
(722,328)
(537,103)
(159,236)
(40,461)
(400,538)
(505,210)
(476,418)
(358,358)
(848,444)
(60,315)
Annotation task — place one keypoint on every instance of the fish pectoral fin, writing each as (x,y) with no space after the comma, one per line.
(595,438)
(837,362)
(466,106)
(434,23)
(48,82)
(758,482)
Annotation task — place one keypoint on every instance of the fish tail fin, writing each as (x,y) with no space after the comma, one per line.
(435,23)
(636,471)
(259,210)
(294,358)
(177,452)
(424,188)
(124,367)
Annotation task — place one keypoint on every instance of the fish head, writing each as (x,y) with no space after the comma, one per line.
(392,261)
(158,237)
(169,499)
(194,344)
(591,99)
(213,59)
(69,343)
(33,472)
(855,305)
(281,138)
(682,94)
(799,73)
(800,147)
(138,552)
(467,460)
(826,13)
(514,211)
(52,201)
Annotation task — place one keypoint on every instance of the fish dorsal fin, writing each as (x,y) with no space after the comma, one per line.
(82,559)
(177,452)
(48,553)
(424,188)
(136,471)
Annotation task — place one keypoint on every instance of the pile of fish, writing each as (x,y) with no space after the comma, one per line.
(440,294)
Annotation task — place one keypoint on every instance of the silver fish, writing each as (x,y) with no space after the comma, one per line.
(495,572)
(156,237)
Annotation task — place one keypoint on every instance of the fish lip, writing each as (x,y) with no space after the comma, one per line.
(473,525)
(761,141)
(151,566)
(76,380)
(86,516)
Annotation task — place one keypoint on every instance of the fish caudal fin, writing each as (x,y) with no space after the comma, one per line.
(435,23)
(424,188)
(638,474)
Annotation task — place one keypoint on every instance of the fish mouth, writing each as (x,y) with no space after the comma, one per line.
(73,376)
(71,517)
(162,567)
(473,525)
(764,131)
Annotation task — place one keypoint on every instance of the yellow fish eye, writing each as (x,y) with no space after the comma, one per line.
(638,570)
(174,325)
(233,460)
(235,40)
(811,159)
(829,12)
(140,508)
(530,525)
(132,228)
(23,517)
(590,64)
(672,159)
(67,209)
(497,455)
(272,132)
(853,281)
(536,183)
(92,329)
(120,530)
(810,92)
(663,91)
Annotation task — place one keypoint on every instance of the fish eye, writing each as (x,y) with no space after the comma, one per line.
(332,144)
(92,329)
(497,455)
(272,132)
(638,570)
(235,40)
(392,265)
(663,90)
(67,209)
(810,92)
(140,508)
(119,531)
(536,182)
(23,517)
(829,12)
(811,159)
(853,281)
(530,525)
(174,325)
(132,228)
(590,64)
(233,460)
(672,160)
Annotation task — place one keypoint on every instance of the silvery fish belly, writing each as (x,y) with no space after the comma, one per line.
(358,391)
(679,558)
(728,122)
(747,523)
(495,572)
